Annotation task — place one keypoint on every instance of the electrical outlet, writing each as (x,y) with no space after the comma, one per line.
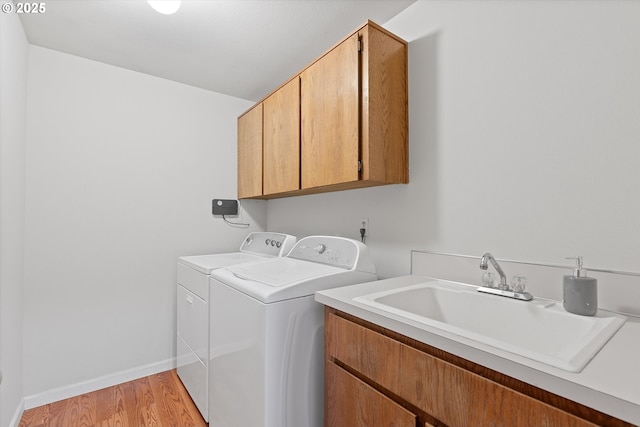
(364,223)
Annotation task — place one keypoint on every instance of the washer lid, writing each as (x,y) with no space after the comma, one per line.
(207,263)
(283,271)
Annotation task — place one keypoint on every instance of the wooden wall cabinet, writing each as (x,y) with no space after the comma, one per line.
(340,123)
(330,106)
(281,146)
(250,153)
(376,377)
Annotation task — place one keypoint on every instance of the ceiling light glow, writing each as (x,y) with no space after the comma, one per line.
(166,7)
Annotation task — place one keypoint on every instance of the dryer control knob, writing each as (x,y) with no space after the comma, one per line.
(278,244)
(321,248)
(266,242)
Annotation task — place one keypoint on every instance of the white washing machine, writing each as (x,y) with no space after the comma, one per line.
(267,333)
(193,303)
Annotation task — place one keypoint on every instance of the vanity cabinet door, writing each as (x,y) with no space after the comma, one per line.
(250,153)
(351,402)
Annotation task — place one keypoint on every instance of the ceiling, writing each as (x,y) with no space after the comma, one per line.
(242,48)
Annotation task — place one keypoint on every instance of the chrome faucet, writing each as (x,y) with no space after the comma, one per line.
(503,289)
(484,265)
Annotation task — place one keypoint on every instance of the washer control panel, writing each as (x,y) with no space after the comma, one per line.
(331,250)
(266,243)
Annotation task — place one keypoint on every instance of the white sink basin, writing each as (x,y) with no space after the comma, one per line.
(540,329)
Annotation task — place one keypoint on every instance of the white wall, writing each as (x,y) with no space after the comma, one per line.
(13,106)
(524,125)
(121,171)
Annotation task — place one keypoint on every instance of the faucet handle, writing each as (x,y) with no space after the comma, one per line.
(489,279)
(519,284)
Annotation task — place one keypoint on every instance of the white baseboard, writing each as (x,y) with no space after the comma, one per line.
(18,415)
(65,392)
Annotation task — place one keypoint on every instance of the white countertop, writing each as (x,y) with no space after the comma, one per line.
(609,383)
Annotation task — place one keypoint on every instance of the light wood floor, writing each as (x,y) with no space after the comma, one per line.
(158,400)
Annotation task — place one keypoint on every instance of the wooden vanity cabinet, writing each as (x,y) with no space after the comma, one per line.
(341,123)
(370,372)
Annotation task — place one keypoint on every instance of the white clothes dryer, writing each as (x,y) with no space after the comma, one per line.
(267,333)
(193,304)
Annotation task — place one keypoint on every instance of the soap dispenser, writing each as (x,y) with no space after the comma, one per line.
(579,292)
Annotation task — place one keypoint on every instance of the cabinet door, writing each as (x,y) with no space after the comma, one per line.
(351,402)
(282,139)
(250,153)
(330,117)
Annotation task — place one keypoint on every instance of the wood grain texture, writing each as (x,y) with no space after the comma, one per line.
(351,402)
(330,117)
(353,107)
(250,153)
(385,111)
(158,400)
(281,134)
(445,391)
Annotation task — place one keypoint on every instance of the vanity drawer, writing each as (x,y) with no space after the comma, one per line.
(354,403)
(450,394)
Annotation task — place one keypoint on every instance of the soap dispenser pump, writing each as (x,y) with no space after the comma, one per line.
(579,292)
